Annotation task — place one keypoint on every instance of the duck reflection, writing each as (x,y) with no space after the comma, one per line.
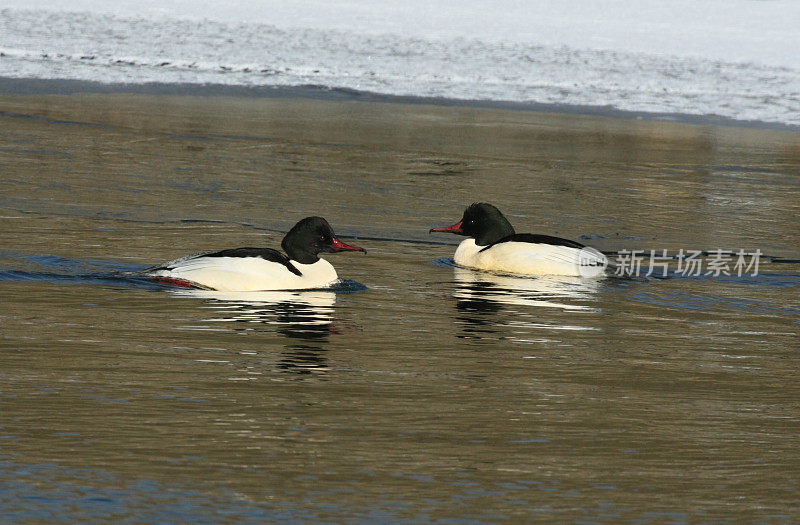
(305,317)
(482,297)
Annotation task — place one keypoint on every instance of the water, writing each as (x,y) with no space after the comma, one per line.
(415,390)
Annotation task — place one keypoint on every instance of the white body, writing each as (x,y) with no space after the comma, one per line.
(525,258)
(244,274)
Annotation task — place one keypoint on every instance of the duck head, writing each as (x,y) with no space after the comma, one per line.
(481,221)
(310,237)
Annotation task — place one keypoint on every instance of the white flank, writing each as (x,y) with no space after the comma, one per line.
(243,274)
(524,258)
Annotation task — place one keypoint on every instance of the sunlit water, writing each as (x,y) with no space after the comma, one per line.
(414,389)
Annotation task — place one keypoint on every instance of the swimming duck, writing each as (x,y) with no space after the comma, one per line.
(493,245)
(252,269)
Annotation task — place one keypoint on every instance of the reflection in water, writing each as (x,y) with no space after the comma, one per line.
(299,315)
(684,376)
(481,297)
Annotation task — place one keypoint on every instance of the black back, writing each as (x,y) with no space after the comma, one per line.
(302,243)
(537,239)
(487,225)
(268,254)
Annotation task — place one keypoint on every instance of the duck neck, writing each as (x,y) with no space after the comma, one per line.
(499,229)
(297,253)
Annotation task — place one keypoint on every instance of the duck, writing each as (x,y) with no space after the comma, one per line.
(493,245)
(261,269)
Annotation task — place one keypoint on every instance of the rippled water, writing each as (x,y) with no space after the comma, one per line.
(414,390)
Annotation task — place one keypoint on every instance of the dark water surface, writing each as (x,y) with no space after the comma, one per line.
(415,390)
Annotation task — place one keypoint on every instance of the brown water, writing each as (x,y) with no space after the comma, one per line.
(416,390)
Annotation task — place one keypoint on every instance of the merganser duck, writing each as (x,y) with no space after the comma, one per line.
(493,245)
(255,269)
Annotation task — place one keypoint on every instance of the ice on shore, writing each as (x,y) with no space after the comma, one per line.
(737,65)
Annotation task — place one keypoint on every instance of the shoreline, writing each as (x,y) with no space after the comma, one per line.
(38,86)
